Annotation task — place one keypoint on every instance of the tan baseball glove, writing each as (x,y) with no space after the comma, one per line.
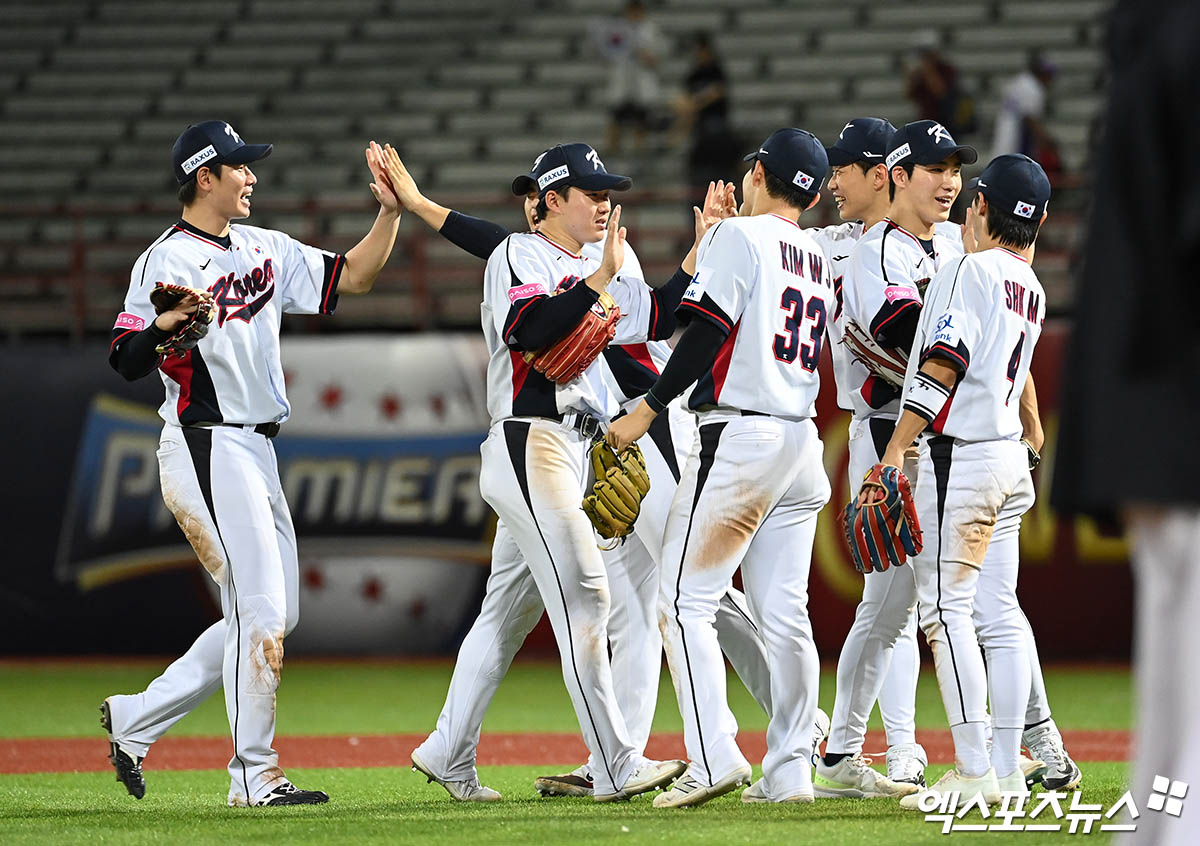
(888,364)
(621,485)
(567,358)
(168,296)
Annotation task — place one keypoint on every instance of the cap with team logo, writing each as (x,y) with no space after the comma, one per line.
(576,164)
(864,139)
(926,142)
(212,142)
(1016,185)
(796,156)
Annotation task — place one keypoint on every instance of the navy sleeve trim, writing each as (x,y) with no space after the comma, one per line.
(334,265)
(663,304)
(705,309)
(958,355)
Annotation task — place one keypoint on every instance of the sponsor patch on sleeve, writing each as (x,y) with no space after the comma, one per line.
(125,320)
(946,332)
(524,291)
(695,290)
(900,292)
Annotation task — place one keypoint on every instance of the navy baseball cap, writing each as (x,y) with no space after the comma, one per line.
(864,139)
(926,142)
(573,164)
(1015,185)
(212,142)
(796,156)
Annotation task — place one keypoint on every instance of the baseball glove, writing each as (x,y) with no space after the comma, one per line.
(887,515)
(621,485)
(888,364)
(565,359)
(167,296)
(1035,457)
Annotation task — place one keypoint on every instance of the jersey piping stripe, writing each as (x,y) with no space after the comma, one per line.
(785,220)
(331,283)
(557,246)
(941,450)
(161,238)
(121,338)
(710,436)
(516,437)
(1014,255)
(199,443)
(716,317)
(878,330)
(660,435)
(220,247)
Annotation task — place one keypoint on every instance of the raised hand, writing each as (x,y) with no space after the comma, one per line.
(382,187)
(614,244)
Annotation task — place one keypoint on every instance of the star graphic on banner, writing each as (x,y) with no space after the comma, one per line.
(417,608)
(438,403)
(390,406)
(314,579)
(331,397)
(288,376)
(372,589)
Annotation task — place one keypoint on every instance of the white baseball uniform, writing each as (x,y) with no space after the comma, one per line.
(221,481)
(880,276)
(750,492)
(512,604)
(983,312)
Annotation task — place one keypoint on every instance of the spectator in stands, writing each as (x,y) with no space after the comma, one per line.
(631,43)
(703,115)
(1019,126)
(936,90)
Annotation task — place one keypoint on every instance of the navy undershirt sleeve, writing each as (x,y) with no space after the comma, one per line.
(551,318)
(692,357)
(478,237)
(137,356)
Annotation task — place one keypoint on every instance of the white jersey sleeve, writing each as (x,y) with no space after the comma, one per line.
(309,278)
(984,315)
(727,263)
(837,242)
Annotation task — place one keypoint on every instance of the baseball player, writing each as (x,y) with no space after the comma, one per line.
(963,389)
(754,482)
(888,267)
(538,288)
(632,567)
(225,400)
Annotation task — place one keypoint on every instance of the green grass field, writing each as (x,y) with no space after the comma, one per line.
(394,805)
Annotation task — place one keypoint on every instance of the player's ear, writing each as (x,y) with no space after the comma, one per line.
(899,176)
(879,177)
(760,175)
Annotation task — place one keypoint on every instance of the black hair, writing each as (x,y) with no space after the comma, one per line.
(777,189)
(543,211)
(908,168)
(865,166)
(1010,230)
(187,191)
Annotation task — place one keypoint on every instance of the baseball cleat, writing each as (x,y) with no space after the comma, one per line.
(128,767)
(1045,742)
(578,782)
(951,782)
(820,733)
(1032,770)
(853,778)
(468,790)
(906,763)
(1014,784)
(647,777)
(687,792)
(284,793)
(756,792)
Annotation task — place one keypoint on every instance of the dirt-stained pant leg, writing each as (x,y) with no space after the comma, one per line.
(775,573)
(961,493)
(1001,627)
(882,620)
(731,482)
(245,498)
(533,476)
(511,608)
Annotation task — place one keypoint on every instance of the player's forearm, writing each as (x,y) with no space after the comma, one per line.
(433,214)
(366,258)
(137,356)
(599,280)
(1031,421)
(551,318)
(692,357)
(474,235)
(924,399)
(666,300)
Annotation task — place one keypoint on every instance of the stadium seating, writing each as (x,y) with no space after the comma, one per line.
(92,94)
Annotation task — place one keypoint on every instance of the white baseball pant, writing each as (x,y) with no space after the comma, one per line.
(222,484)
(749,496)
(969,499)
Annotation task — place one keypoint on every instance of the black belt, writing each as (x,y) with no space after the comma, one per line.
(741,411)
(584,424)
(268,429)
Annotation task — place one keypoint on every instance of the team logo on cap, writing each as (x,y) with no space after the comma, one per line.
(229,131)
(199,159)
(594,158)
(803,180)
(553,176)
(1023,209)
(842,134)
(897,154)
(939,132)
